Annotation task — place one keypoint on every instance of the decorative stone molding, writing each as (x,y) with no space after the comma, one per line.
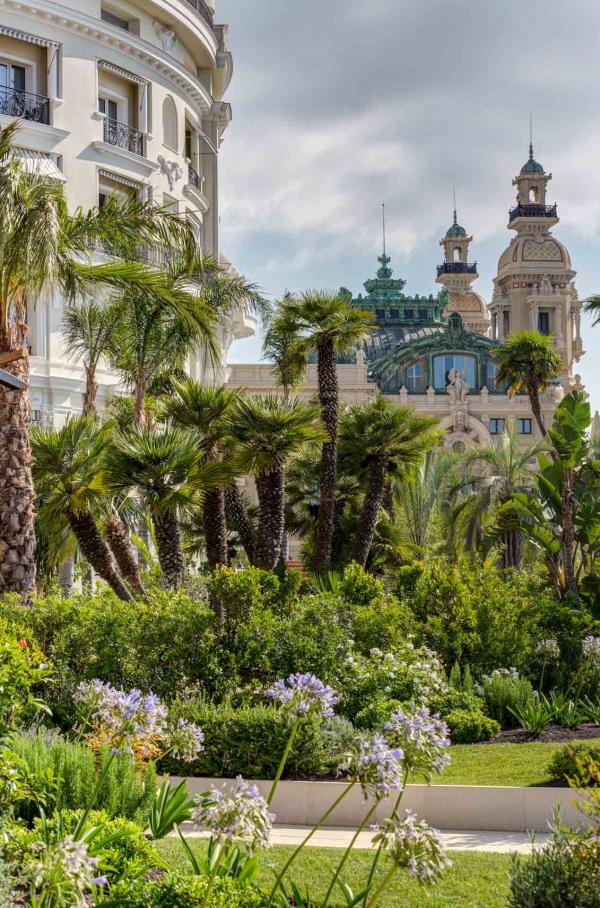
(165,35)
(171,169)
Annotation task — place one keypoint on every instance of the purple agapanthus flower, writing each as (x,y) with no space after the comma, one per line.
(126,721)
(302,694)
(423,737)
(238,815)
(185,741)
(414,845)
(377,767)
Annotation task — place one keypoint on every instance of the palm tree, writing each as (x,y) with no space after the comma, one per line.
(268,431)
(170,477)
(418,495)
(68,473)
(329,326)
(382,439)
(42,245)
(528,361)
(88,326)
(489,476)
(205,409)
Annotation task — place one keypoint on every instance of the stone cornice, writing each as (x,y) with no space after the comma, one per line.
(106,36)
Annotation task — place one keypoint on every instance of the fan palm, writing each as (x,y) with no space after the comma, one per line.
(327,325)
(88,326)
(170,477)
(381,439)
(205,409)
(489,476)
(43,245)
(68,473)
(528,361)
(268,431)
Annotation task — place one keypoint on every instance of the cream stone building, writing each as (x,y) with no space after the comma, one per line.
(436,354)
(116,97)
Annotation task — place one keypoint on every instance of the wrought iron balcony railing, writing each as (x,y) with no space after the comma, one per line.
(24,104)
(194,178)
(123,136)
(457,268)
(202,10)
(532,211)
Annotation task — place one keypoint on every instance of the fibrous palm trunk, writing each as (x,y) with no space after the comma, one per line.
(536,409)
(328,397)
(90,407)
(96,550)
(65,576)
(512,549)
(370,511)
(17,512)
(215,528)
(118,539)
(271,526)
(168,544)
(568,532)
(236,511)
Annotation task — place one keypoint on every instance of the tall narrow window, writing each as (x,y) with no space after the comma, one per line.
(170,128)
(12,77)
(544,322)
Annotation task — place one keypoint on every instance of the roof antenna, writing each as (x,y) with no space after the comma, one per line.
(454,193)
(383,219)
(531,137)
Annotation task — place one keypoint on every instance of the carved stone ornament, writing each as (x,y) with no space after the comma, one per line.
(165,35)
(171,169)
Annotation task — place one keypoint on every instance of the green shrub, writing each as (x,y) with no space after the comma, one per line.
(468,726)
(248,741)
(564,873)
(67,771)
(376,713)
(504,691)
(179,891)
(23,668)
(563,765)
(339,737)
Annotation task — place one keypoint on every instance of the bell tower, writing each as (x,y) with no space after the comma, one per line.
(457,274)
(534,288)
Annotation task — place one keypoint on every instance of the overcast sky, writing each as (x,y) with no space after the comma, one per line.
(339,105)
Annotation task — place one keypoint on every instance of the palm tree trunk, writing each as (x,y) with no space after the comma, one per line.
(95,549)
(118,539)
(236,510)
(568,532)
(328,397)
(170,552)
(90,407)
(65,576)
(512,549)
(17,497)
(215,528)
(370,512)
(271,526)
(536,409)
(139,396)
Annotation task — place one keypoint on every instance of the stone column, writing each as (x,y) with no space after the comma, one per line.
(533,315)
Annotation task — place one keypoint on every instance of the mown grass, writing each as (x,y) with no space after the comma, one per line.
(499,764)
(475,880)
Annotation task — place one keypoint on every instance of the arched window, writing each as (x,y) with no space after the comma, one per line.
(456,254)
(534,195)
(170,126)
(463,364)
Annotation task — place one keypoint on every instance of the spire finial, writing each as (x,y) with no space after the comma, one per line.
(531,137)
(383,222)
(454,195)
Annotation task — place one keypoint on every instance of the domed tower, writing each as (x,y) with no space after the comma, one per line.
(534,287)
(457,274)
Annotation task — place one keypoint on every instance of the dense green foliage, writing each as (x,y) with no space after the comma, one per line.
(566,762)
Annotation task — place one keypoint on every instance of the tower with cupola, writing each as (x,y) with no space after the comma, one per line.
(534,286)
(457,274)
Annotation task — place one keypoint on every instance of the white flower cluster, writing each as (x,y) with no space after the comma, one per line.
(412,844)
(66,869)
(420,667)
(240,815)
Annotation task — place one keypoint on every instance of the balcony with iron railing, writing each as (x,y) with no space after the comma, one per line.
(122,136)
(457,268)
(203,11)
(25,105)
(532,211)
(194,178)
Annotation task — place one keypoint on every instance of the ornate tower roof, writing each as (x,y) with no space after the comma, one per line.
(531,166)
(455,229)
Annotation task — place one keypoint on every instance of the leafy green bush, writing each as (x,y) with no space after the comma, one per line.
(23,667)
(180,891)
(468,726)
(376,713)
(67,771)
(563,765)
(505,690)
(564,873)
(248,741)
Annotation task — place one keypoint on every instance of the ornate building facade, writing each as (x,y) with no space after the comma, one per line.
(116,97)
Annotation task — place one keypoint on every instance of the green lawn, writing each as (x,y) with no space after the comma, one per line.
(475,880)
(499,764)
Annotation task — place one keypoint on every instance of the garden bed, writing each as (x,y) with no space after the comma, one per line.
(551,734)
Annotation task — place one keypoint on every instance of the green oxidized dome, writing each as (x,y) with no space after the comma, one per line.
(531,166)
(456,229)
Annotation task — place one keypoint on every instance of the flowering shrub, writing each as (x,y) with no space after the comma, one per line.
(503,691)
(301,694)
(23,667)
(406,673)
(122,720)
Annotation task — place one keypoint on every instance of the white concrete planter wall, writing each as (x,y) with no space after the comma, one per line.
(469,807)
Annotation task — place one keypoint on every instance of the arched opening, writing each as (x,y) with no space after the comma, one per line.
(534,195)
(170,126)
(457,254)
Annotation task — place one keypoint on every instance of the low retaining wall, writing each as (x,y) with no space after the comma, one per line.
(469,807)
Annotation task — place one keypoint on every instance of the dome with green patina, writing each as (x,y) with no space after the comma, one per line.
(531,166)
(456,230)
